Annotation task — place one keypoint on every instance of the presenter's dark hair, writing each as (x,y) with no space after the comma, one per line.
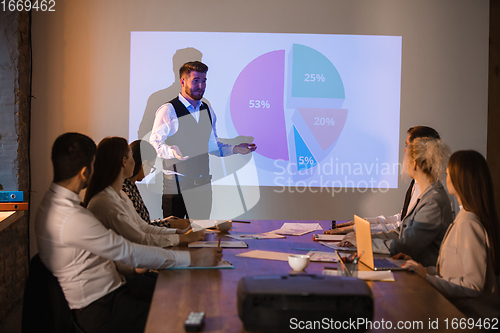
(470,175)
(423,132)
(107,166)
(192,66)
(142,151)
(71,152)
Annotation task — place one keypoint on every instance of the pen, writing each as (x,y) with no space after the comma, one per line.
(218,245)
(356,259)
(338,255)
(344,269)
(237,221)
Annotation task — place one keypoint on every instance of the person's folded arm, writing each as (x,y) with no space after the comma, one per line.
(382,241)
(91,235)
(422,233)
(125,226)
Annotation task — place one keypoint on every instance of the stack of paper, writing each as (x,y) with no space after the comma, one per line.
(297,229)
(322,256)
(338,248)
(330,238)
(270,255)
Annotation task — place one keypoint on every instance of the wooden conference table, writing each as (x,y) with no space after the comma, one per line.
(213,291)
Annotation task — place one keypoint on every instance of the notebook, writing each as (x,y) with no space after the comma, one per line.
(365,249)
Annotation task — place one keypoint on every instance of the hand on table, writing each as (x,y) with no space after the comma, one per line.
(349,240)
(206,257)
(182,231)
(192,237)
(180,223)
(402,256)
(414,266)
(339,231)
(140,271)
(244,148)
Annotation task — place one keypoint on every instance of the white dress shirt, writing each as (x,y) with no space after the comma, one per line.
(79,250)
(382,223)
(166,124)
(117,212)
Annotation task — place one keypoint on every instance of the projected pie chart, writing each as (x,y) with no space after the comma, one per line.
(298,119)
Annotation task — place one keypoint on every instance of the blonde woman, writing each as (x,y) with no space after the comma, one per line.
(424,226)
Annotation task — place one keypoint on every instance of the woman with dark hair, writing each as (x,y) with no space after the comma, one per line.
(105,199)
(469,259)
(144,157)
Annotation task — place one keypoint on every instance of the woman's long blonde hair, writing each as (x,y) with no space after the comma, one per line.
(431,156)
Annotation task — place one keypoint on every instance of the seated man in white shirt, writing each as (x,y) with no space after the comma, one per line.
(382,223)
(88,259)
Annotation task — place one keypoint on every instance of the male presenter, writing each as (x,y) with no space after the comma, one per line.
(184,133)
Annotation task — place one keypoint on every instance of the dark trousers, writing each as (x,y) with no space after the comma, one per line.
(199,206)
(123,310)
(173,204)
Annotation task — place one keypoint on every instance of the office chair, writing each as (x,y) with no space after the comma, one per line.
(45,309)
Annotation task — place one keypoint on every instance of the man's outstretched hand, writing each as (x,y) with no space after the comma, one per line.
(177,153)
(244,148)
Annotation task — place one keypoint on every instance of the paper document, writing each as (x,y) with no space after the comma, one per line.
(270,255)
(386,276)
(297,229)
(202,224)
(223,244)
(169,172)
(223,264)
(322,256)
(338,248)
(331,238)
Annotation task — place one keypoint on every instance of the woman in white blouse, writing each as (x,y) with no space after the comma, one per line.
(106,200)
(469,258)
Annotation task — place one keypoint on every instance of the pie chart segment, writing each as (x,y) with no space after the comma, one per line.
(314,75)
(325,124)
(305,158)
(256,104)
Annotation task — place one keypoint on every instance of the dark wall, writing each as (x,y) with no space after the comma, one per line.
(493,154)
(15,91)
